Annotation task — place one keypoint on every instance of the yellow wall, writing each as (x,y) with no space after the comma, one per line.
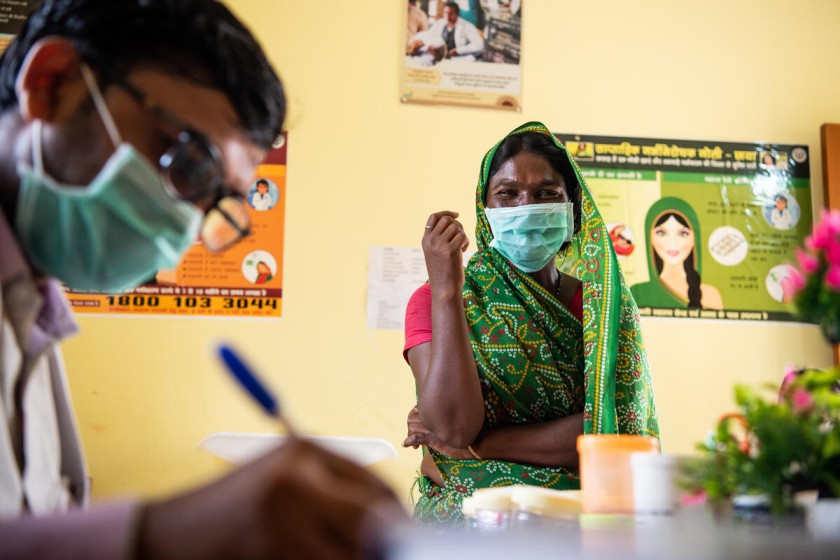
(365,170)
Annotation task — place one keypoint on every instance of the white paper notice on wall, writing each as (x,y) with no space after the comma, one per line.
(394,273)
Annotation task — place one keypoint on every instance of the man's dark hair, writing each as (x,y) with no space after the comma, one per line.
(199,40)
(454,6)
(262,182)
(541,145)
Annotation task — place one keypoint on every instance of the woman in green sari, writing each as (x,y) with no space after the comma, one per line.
(512,358)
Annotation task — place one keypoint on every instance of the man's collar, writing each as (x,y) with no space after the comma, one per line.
(13,263)
(36,308)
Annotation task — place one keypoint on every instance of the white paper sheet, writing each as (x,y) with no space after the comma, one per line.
(239,448)
(393,275)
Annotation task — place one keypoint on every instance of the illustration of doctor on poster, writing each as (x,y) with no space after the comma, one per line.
(464,52)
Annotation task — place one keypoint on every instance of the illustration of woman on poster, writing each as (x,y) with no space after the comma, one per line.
(263,273)
(673,236)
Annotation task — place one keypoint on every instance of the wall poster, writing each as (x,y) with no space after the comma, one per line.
(243,281)
(702,229)
(12,15)
(465,52)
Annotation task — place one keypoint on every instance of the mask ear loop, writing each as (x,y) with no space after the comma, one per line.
(572,249)
(570,221)
(101,106)
(37,156)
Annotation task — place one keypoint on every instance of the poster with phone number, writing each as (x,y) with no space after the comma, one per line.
(702,229)
(243,281)
(12,15)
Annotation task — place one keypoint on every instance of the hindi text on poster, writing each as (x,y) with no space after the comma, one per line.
(702,230)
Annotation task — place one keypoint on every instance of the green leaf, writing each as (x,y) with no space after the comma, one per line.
(831,446)
(744,396)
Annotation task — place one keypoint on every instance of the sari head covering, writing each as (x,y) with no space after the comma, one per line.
(536,361)
(617,387)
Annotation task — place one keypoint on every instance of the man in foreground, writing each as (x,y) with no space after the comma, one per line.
(128,128)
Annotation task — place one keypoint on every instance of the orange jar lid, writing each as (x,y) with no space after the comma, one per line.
(616,443)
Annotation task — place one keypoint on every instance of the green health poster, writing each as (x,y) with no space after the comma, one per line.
(702,229)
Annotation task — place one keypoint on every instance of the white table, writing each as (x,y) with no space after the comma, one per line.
(691,534)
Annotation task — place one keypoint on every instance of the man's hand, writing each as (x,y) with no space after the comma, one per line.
(415,46)
(298,501)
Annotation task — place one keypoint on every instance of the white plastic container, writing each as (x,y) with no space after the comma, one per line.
(823,520)
(655,488)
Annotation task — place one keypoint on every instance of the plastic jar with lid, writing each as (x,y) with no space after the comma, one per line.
(534,506)
(488,510)
(606,474)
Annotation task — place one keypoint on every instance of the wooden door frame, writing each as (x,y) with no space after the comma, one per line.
(830,137)
(830,140)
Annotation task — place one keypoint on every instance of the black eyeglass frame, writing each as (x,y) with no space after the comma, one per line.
(186,137)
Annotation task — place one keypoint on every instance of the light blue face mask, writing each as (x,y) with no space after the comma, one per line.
(108,236)
(530,236)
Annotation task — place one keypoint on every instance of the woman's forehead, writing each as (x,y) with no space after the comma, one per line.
(527,167)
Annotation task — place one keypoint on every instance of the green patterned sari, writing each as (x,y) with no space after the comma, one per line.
(537,362)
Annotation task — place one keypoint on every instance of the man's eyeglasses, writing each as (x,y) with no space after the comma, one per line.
(193,167)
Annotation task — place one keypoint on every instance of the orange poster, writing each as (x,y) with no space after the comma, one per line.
(12,15)
(244,281)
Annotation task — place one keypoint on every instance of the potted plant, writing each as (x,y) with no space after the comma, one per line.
(786,439)
(776,445)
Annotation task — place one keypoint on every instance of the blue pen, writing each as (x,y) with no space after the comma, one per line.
(249,381)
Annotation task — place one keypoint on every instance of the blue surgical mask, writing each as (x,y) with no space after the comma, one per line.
(530,236)
(112,234)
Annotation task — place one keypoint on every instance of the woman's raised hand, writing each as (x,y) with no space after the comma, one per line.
(444,243)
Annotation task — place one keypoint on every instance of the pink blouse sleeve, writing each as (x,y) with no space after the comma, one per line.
(418,319)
